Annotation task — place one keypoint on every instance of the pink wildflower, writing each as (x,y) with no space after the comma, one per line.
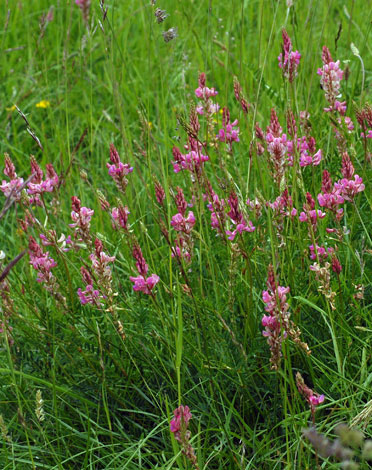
(192,161)
(118,170)
(183,224)
(277,323)
(178,427)
(100,264)
(43,264)
(159,193)
(90,296)
(237,218)
(141,282)
(216,207)
(331,76)
(84,5)
(81,217)
(336,265)
(239,96)
(13,187)
(120,217)
(320,252)
(182,416)
(38,185)
(288,59)
(350,188)
(312,398)
(203,91)
(228,134)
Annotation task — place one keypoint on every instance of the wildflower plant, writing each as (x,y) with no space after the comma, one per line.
(180,226)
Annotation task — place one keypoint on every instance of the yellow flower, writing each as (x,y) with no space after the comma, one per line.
(43,104)
(12,108)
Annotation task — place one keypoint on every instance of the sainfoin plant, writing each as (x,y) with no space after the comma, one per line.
(185,269)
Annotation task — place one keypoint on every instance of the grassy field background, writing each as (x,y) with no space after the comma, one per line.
(108,397)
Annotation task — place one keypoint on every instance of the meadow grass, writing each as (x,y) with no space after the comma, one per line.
(111,375)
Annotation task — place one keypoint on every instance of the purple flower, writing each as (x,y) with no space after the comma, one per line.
(118,170)
(90,296)
(288,59)
(183,224)
(331,76)
(145,285)
(181,418)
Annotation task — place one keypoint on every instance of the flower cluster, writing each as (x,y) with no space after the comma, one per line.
(81,216)
(203,92)
(178,427)
(192,161)
(313,398)
(118,170)
(320,252)
(62,243)
(230,130)
(183,225)
(90,295)
(239,96)
(331,76)
(330,198)
(141,282)
(288,59)
(364,118)
(350,185)
(120,217)
(100,265)
(217,208)
(103,277)
(38,185)
(310,214)
(84,6)
(237,218)
(14,187)
(307,151)
(277,323)
(277,147)
(43,264)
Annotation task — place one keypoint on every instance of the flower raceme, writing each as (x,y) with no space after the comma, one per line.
(192,161)
(331,76)
(203,91)
(142,283)
(81,216)
(120,217)
(118,170)
(14,186)
(312,398)
(237,218)
(179,427)
(41,262)
(289,60)
(38,185)
(183,224)
(277,323)
(230,130)
(145,284)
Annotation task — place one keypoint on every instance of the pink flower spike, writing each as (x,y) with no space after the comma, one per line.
(140,283)
(182,416)
(288,59)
